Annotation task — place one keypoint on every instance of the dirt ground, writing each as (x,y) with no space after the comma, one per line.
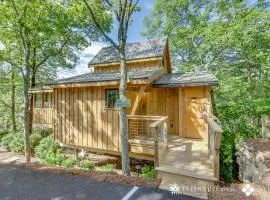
(103,159)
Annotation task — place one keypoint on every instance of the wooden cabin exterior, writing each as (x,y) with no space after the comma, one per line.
(165,106)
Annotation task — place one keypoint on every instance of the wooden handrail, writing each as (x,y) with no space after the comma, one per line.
(159,148)
(214,140)
(142,117)
(158,122)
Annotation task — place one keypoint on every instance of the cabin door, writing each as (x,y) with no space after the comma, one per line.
(194,106)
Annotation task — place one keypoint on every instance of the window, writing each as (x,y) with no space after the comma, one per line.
(38,101)
(111,96)
(46,100)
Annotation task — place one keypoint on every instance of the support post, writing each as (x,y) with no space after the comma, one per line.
(165,132)
(155,133)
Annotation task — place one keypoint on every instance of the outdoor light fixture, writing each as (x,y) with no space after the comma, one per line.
(138,168)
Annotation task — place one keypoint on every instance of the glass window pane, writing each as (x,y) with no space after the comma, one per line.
(38,101)
(111,96)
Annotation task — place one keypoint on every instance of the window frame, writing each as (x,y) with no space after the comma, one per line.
(111,105)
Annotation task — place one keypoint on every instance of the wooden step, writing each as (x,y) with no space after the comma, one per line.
(191,182)
(187,165)
(195,172)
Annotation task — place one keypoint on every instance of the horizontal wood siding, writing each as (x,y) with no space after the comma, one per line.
(81,119)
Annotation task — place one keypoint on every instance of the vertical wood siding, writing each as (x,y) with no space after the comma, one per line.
(81,118)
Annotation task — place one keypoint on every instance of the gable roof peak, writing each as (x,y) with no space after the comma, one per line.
(134,50)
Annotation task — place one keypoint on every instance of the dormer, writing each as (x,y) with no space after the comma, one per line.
(139,55)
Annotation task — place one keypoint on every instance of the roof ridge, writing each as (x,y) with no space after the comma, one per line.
(141,41)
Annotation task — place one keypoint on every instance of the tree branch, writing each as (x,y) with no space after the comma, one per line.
(5,104)
(53,54)
(99,26)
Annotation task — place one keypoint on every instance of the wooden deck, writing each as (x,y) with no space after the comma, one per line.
(186,163)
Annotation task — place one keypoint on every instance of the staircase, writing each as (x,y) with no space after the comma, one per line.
(186,163)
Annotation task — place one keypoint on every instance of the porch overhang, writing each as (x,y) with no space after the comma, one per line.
(134,77)
(187,79)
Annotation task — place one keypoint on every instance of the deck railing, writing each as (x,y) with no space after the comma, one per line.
(150,128)
(214,140)
(43,115)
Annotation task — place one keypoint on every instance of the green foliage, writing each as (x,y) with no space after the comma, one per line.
(54,158)
(6,140)
(37,136)
(13,142)
(3,133)
(87,164)
(17,143)
(108,168)
(49,151)
(148,171)
(69,162)
(227,160)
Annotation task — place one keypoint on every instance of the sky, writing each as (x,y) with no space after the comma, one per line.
(134,34)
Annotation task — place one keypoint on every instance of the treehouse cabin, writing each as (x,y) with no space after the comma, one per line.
(170,117)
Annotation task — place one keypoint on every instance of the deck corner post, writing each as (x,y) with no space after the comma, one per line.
(216,161)
(165,132)
(155,134)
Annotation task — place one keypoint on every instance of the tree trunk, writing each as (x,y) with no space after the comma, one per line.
(13,103)
(33,84)
(123,111)
(26,78)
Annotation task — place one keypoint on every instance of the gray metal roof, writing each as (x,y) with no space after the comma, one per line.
(136,50)
(198,78)
(113,76)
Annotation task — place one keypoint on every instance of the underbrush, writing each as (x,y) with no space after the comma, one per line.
(148,171)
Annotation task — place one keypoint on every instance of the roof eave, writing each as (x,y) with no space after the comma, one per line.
(197,84)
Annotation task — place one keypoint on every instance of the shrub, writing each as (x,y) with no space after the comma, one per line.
(35,139)
(108,168)
(49,151)
(43,132)
(148,172)
(227,151)
(37,136)
(87,164)
(13,142)
(69,162)
(54,158)
(17,143)
(3,133)
(6,140)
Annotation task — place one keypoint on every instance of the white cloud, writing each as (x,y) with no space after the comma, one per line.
(82,66)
